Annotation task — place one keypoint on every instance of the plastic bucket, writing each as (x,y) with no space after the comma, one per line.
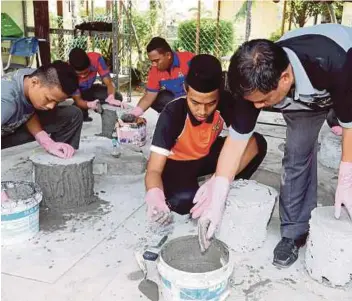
(134,133)
(187,274)
(20,213)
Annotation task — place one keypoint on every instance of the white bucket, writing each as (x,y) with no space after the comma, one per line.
(187,274)
(20,213)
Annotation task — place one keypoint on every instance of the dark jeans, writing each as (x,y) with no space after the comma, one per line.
(63,123)
(299,180)
(163,98)
(97,91)
(180,178)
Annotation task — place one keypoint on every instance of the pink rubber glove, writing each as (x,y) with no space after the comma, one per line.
(93,105)
(211,218)
(344,189)
(114,102)
(158,211)
(59,149)
(337,130)
(137,111)
(4,196)
(202,198)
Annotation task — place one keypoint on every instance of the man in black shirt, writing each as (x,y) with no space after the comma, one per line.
(305,74)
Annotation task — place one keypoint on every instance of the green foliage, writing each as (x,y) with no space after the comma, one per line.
(186,36)
(276,35)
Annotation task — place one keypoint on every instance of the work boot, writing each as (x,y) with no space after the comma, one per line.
(286,252)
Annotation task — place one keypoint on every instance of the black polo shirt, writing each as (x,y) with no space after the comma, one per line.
(321,58)
(180,136)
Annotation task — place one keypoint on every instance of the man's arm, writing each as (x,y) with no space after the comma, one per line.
(109,84)
(230,158)
(80,102)
(147,100)
(33,125)
(347,145)
(155,169)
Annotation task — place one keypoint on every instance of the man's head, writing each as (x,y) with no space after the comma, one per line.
(51,84)
(202,85)
(79,60)
(160,53)
(260,72)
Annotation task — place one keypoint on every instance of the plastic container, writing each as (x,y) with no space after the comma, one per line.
(187,274)
(20,213)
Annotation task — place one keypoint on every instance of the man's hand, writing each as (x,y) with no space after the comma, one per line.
(202,198)
(137,111)
(344,189)
(211,218)
(59,149)
(95,105)
(114,102)
(158,211)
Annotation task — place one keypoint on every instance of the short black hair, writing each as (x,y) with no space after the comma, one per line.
(78,59)
(256,65)
(59,74)
(204,74)
(159,44)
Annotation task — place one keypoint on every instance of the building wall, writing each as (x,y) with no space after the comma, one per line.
(347,14)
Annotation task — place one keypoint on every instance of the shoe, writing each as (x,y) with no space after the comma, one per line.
(285,253)
(87,119)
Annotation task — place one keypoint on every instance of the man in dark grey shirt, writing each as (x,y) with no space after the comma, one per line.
(28,109)
(305,74)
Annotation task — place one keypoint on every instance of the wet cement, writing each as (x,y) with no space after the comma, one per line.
(184,254)
(136,275)
(65,183)
(149,289)
(18,190)
(108,120)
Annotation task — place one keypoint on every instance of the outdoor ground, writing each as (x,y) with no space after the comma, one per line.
(88,254)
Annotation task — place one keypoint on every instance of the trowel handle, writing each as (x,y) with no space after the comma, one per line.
(151,256)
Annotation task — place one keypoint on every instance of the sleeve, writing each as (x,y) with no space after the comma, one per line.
(8,105)
(167,130)
(103,69)
(341,93)
(243,119)
(153,80)
(77,92)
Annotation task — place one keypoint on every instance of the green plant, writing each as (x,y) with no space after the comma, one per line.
(208,43)
(276,35)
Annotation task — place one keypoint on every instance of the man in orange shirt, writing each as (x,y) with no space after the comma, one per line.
(165,78)
(186,143)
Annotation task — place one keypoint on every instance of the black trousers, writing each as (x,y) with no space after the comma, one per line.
(97,91)
(163,98)
(180,178)
(63,123)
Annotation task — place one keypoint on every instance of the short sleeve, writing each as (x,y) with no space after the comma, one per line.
(169,126)
(341,93)
(243,120)
(153,80)
(103,69)
(8,105)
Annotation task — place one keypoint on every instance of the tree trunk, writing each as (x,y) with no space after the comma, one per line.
(332,13)
(41,28)
(248,20)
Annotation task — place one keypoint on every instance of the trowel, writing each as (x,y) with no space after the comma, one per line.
(148,287)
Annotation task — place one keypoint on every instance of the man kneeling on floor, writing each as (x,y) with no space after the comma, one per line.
(28,101)
(186,144)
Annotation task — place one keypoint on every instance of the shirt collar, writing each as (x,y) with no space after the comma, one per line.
(303,85)
(175,61)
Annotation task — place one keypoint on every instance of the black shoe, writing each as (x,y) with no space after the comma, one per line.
(285,253)
(87,119)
